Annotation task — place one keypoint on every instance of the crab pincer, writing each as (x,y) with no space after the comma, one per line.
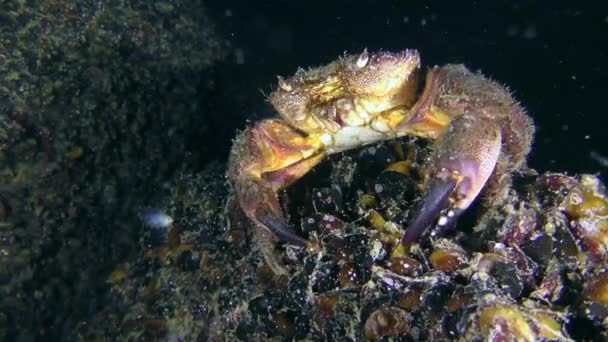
(265,159)
(462,164)
(486,140)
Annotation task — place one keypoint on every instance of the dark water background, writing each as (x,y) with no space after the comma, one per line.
(552,54)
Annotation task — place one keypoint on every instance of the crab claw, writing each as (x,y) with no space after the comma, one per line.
(261,204)
(464,158)
(435,200)
(265,159)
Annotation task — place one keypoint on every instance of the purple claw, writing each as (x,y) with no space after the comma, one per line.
(465,156)
(435,200)
(281,231)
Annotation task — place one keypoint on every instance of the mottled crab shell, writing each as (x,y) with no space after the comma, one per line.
(349,92)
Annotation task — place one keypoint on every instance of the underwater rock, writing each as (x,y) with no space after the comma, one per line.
(519,272)
(445,288)
(93,121)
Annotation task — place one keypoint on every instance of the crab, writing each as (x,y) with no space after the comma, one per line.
(481,135)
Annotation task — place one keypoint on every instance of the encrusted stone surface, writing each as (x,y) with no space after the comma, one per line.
(97,102)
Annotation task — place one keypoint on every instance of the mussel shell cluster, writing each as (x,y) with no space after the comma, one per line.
(533,268)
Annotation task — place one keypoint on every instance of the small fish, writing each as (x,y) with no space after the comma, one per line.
(155,218)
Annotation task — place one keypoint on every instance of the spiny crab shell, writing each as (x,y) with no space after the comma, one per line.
(482,135)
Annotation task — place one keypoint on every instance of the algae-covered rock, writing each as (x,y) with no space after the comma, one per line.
(522,271)
(98,103)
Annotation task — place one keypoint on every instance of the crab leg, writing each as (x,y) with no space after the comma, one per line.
(266,159)
(463,161)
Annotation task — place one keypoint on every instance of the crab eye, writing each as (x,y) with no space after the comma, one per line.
(363,59)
